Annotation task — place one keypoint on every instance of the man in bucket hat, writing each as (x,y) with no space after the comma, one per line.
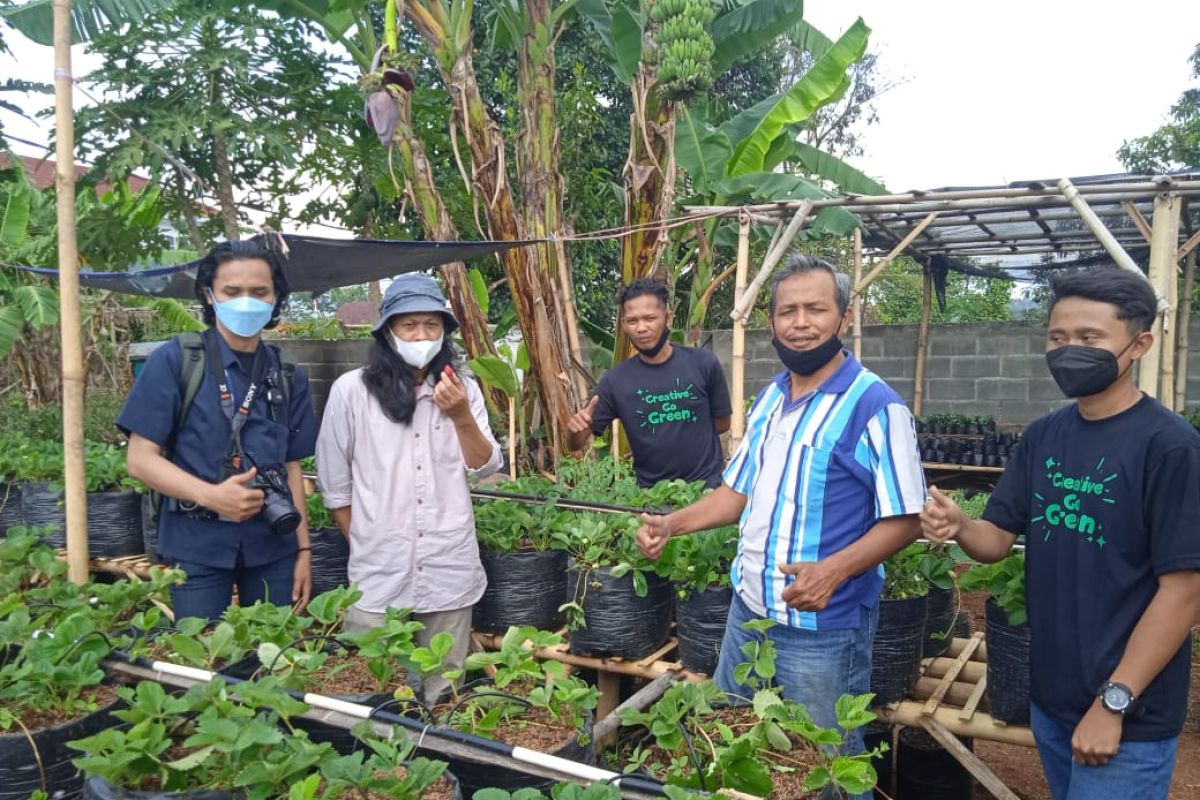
(398,440)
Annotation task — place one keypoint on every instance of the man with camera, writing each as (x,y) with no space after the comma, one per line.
(217,424)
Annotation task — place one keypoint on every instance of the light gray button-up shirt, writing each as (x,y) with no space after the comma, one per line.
(412,528)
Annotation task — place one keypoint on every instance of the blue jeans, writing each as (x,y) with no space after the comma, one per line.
(813,668)
(1139,770)
(208,591)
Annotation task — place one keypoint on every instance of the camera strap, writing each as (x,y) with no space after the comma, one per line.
(237,414)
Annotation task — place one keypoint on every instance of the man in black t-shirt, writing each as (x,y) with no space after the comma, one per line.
(672,400)
(1106,492)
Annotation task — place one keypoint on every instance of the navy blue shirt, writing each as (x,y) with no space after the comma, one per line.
(270,439)
(1106,506)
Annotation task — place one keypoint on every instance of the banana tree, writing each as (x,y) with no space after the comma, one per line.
(669,51)
(741,160)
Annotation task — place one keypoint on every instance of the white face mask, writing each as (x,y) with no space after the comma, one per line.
(417,354)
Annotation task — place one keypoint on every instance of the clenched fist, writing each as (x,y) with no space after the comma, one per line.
(581,421)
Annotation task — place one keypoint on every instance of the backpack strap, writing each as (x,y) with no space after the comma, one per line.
(191,373)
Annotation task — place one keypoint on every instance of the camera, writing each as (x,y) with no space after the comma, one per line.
(278,509)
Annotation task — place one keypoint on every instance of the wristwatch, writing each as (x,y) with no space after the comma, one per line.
(1117,698)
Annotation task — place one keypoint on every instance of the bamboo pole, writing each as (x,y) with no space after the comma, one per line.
(1183,350)
(1138,220)
(1121,258)
(1190,245)
(858,301)
(980,726)
(73,376)
(512,439)
(923,341)
(775,254)
(737,426)
(1170,319)
(897,250)
(1164,227)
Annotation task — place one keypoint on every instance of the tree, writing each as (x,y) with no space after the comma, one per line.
(1175,145)
(232,94)
(896,297)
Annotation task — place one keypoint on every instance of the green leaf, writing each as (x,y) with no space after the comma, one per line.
(701,150)
(522,360)
(597,334)
(39,304)
(807,38)
(817,779)
(479,289)
(824,83)
(191,760)
(11,323)
(16,216)
(89,18)
(854,775)
(764,701)
(495,371)
(619,24)
(831,168)
(751,26)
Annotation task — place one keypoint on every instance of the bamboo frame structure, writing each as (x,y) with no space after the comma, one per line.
(857,302)
(922,342)
(73,376)
(1182,348)
(1164,235)
(737,425)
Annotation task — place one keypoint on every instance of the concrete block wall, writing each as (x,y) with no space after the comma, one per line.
(994,369)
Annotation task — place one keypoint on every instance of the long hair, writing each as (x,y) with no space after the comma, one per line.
(255,248)
(390,380)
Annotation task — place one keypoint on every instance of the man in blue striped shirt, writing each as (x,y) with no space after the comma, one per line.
(826,485)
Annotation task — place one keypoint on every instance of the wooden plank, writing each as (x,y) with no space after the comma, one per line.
(952,674)
(969,708)
(970,672)
(969,760)
(658,654)
(609,684)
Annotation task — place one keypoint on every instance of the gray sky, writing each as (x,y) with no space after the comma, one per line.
(993,92)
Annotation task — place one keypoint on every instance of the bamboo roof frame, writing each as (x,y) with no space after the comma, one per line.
(1024,226)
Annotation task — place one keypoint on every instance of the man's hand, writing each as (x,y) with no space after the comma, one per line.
(812,586)
(941,518)
(231,498)
(653,535)
(581,421)
(450,395)
(1098,736)
(302,580)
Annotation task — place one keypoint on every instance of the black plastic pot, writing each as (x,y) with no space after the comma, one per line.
(473,776)
(114,519)
(523,588)
(330,558)
(875,734)
(896,651)
(944,620)
(700,626)
(20,774)
(927,771)
(96,788)
(1007,668)
(10,506)
(342,740)
(618,622)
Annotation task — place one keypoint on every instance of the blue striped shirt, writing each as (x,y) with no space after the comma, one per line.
(818,473)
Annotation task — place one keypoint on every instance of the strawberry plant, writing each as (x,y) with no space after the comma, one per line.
(385,769)
(1005,581)
(902,574)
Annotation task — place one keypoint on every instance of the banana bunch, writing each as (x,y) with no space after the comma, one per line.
(684,46)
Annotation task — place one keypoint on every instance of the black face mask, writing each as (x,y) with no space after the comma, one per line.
(1081,371)
(653,351)
(806,362)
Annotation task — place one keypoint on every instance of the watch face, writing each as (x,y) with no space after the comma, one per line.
(1116,698)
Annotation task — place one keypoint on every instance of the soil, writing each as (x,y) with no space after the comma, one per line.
(442,789)
(1019,768)
(161,652)
(796,764)
(349,675)
(102,696)
(532,728)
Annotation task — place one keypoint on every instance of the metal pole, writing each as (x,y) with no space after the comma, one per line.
(73,376)
(737,426)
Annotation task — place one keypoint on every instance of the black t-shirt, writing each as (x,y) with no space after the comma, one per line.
(1105,506)
(667,412)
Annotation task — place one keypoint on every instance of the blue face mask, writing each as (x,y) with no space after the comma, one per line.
(243,316)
